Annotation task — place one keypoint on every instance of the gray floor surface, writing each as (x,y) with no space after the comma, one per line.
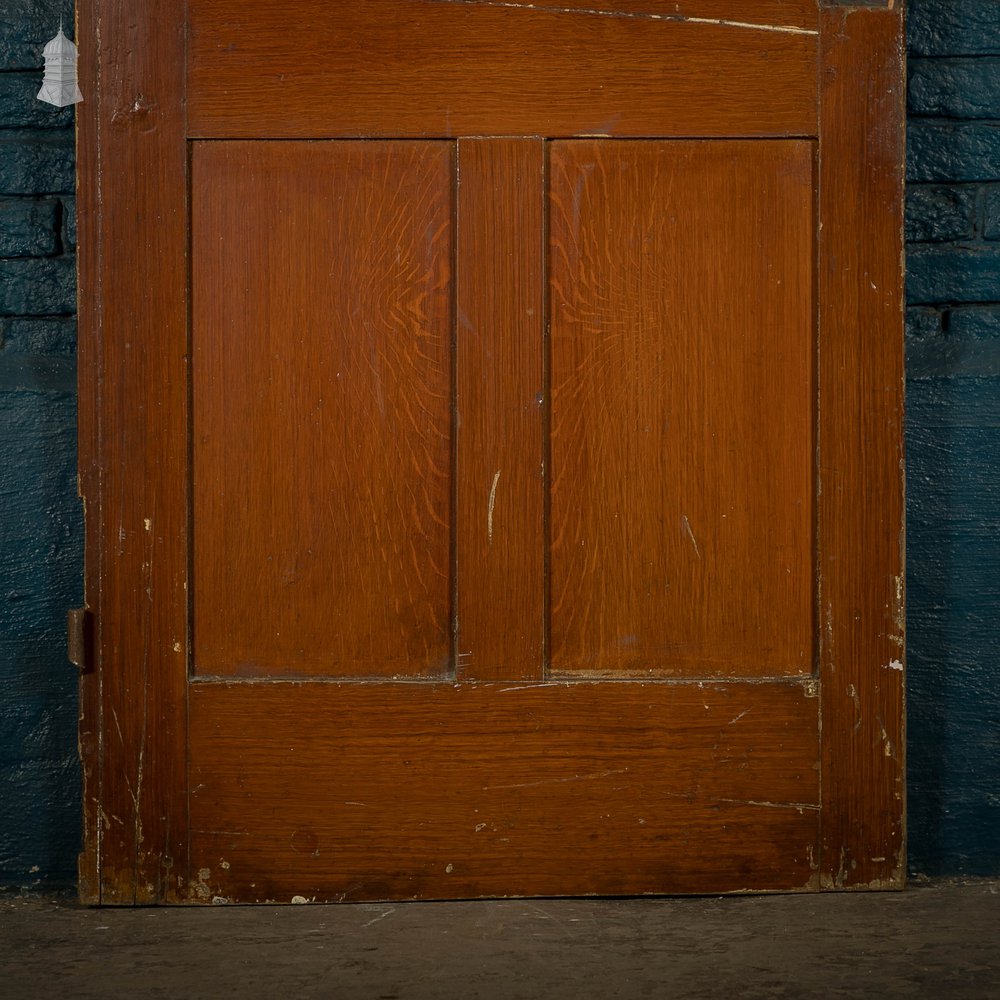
(935,940)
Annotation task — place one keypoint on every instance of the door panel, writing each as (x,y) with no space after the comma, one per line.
(442,68)
(500,394)
(495,790)
(406,631)
(322,407)
(683,347)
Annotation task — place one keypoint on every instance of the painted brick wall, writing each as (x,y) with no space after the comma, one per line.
(953,436)
(40,522)
(953,442)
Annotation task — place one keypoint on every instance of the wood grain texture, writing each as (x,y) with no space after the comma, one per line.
(403,68)
(499,343)
(133,450)
(322,327)
(861,448)
(335,792)
(683,392)
(667,313)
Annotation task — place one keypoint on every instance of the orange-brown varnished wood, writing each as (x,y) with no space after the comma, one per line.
(493,790)
(803,14)
(499,396)
(682,375)
(861,505)
(398,68)
(322,327)
(133,449)
(355,330)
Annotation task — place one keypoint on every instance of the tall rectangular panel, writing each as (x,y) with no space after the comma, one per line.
(322,408)
(683,408)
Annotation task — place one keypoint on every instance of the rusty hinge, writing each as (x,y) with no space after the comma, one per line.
(80,638)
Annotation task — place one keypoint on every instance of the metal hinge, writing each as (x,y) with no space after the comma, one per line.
(80,638)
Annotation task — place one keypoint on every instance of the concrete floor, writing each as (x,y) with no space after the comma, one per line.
(936,940)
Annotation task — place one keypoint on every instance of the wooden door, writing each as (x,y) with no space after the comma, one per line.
(491,440)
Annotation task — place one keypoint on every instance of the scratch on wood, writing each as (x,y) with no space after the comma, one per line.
(800,806)
(852,692)
(686,526)
(114,715)
(888,746)
(534,687)
(787,29)
(490,506)
(559,781)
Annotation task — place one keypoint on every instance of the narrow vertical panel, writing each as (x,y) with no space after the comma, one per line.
(499,343)
(321,370)
(683,347)
(861,448)
(88,451)
(133,456)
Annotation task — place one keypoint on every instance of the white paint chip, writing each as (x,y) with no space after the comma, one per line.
(489,509)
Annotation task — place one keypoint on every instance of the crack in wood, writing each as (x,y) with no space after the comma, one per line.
(637,16)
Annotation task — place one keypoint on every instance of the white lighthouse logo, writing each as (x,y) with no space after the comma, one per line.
(59,85)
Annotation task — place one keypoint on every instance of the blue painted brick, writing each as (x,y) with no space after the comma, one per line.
(39,578)
(37,162)
(38,286)
(963,151)
(975,322)
(991,212)
(28,228)
(937,212)
(33,335)
(950,273)
(20,108)
(69,223)
(25,27)
(953,27)
(922,322)
(971,346)
(954,88)
(952,357)
(953,643)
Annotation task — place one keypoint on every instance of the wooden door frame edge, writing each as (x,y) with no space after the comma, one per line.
(861,473)
(133,420)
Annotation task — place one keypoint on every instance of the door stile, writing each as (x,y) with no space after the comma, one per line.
(499,531)
(133,335)
(861,502)
(89,467)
